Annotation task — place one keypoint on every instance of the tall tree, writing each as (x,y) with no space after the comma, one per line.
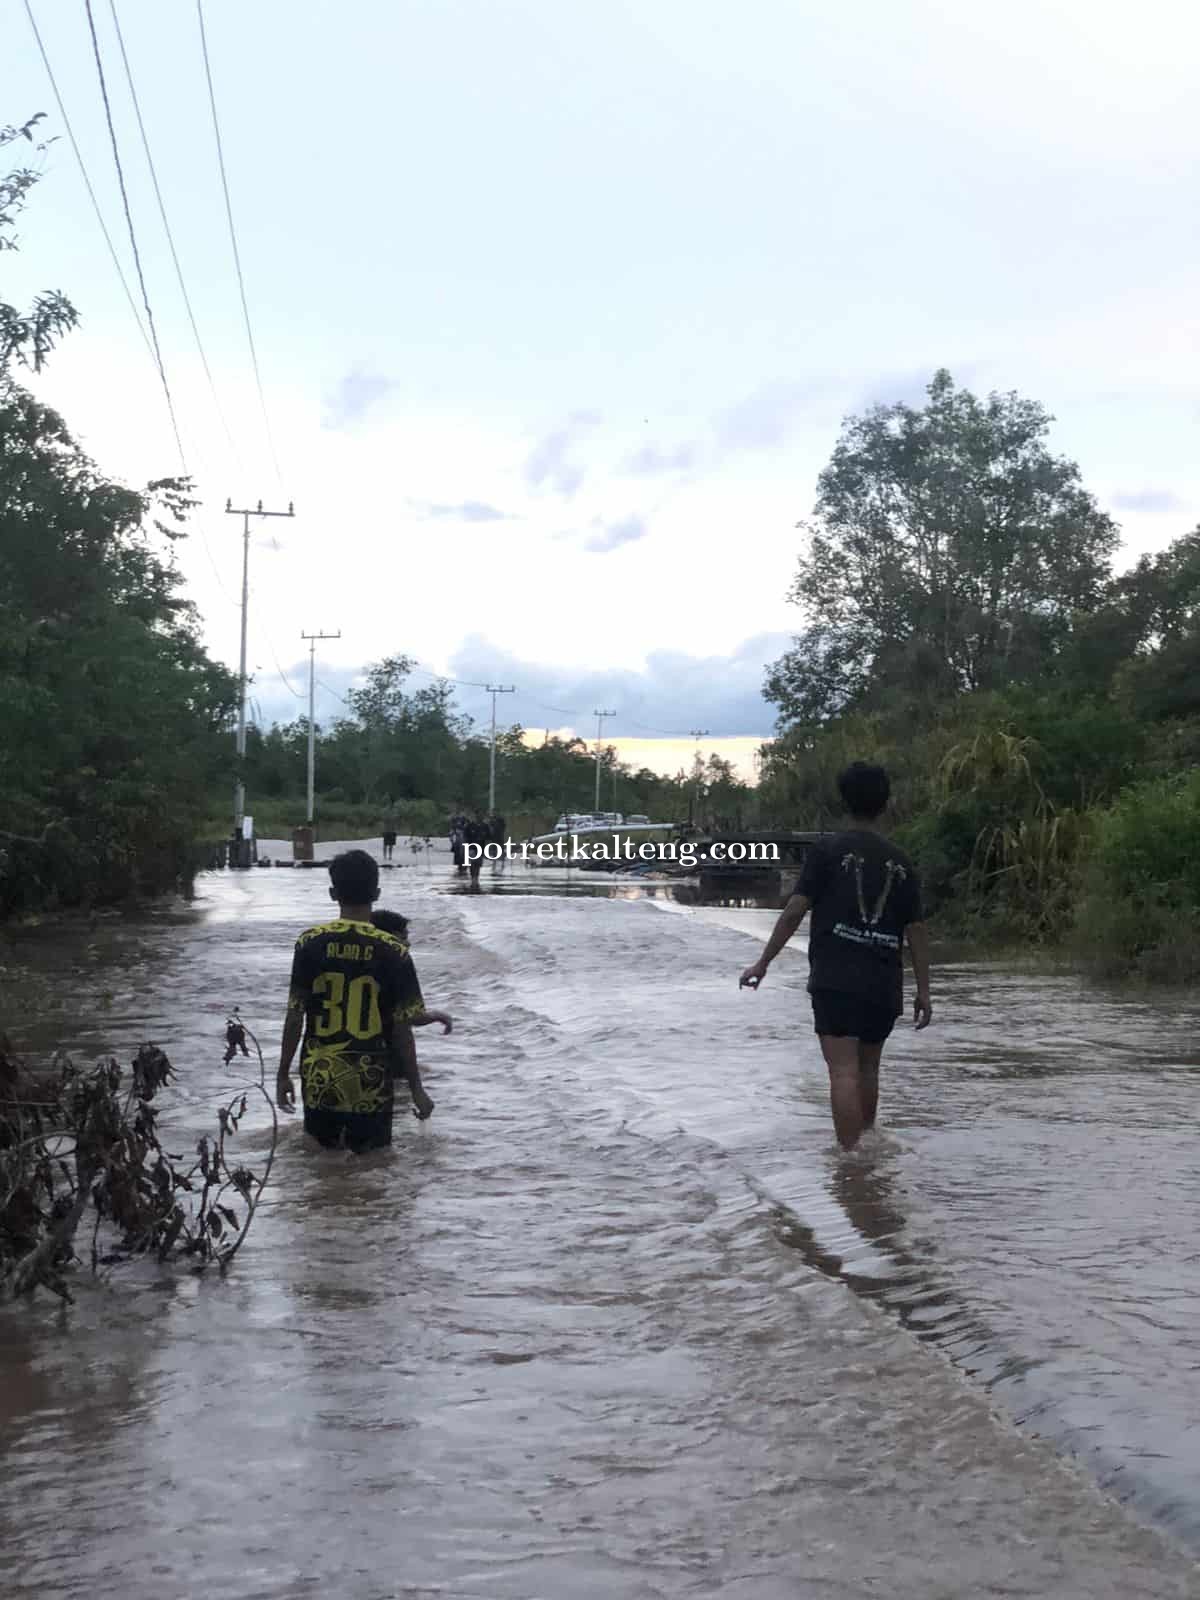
(111,713)
(949,549)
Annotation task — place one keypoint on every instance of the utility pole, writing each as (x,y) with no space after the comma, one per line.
(239,792)
(494,690)
(600,717)
(312,701)
(697,734)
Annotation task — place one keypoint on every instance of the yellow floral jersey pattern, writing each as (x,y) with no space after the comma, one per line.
(353,982)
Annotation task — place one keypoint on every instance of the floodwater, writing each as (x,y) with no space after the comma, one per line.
(620,1322)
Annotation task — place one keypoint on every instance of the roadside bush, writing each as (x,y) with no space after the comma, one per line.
(1139,914)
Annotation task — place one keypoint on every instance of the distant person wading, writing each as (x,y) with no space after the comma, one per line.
(865,897)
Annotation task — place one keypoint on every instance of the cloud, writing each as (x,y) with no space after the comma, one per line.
(1147,500)
(767,418)
(612,535)
(673,693)
(354,396)
(464,511)
(651,461)
(549,464)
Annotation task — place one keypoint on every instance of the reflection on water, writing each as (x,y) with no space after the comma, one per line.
(767,890)
(567,1339)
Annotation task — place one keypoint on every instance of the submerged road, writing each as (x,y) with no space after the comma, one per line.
(619,1323)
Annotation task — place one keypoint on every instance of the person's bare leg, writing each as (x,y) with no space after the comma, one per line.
(841,1057)
(868,1081)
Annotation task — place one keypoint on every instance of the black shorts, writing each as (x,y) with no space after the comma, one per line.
(851,1016)
(358,1131)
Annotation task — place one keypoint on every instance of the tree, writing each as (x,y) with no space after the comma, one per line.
(111,713)
(949,550)
(27,337)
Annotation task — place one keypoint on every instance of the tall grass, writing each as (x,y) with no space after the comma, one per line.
(1139,912)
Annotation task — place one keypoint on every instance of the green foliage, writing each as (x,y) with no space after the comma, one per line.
(112,716)
(1139,915)
(949,550)
(27,337)
(964,629)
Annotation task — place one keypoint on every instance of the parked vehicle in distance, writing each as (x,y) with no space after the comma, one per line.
(638,821)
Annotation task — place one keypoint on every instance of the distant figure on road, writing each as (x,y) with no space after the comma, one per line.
(497,832)
(389,842)
(354,994)
(479,832)
(458,831)
(865,898)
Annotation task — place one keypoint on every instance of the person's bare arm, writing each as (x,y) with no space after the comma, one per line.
(790,918)
(293,1027)
(918,948)
(426,1017)
(405,1048)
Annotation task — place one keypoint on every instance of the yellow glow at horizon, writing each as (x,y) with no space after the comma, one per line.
(668,756)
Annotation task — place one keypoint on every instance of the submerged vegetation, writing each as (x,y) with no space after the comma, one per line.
(80,1149)
(1040,714)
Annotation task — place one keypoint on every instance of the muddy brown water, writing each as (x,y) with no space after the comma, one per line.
(621,1321)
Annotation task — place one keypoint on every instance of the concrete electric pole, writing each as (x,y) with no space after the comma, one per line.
(240,856)
(494,690)
(312,698)
(600,717)
(697,734)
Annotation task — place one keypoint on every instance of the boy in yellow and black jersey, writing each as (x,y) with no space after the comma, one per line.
(354,995)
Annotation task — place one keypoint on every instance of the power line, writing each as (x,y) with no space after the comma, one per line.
(237,259)
(162,211)
(137,259)
(466,683)
(299,693)
(662,733)
(62,111)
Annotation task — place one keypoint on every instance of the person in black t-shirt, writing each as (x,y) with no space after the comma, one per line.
(865,899)
(354,994)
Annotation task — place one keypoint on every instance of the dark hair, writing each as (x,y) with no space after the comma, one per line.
(391,922)
(355,878)
(864,789)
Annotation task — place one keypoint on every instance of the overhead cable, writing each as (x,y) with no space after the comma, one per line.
(87,182)
(162,211)
(137,259)
(237,258)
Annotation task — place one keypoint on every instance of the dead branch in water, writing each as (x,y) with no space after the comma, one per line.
(73,1138)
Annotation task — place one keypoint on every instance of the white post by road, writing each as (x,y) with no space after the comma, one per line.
(245,512)
(312,699)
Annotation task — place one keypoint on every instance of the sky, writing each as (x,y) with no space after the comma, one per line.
(558,308)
